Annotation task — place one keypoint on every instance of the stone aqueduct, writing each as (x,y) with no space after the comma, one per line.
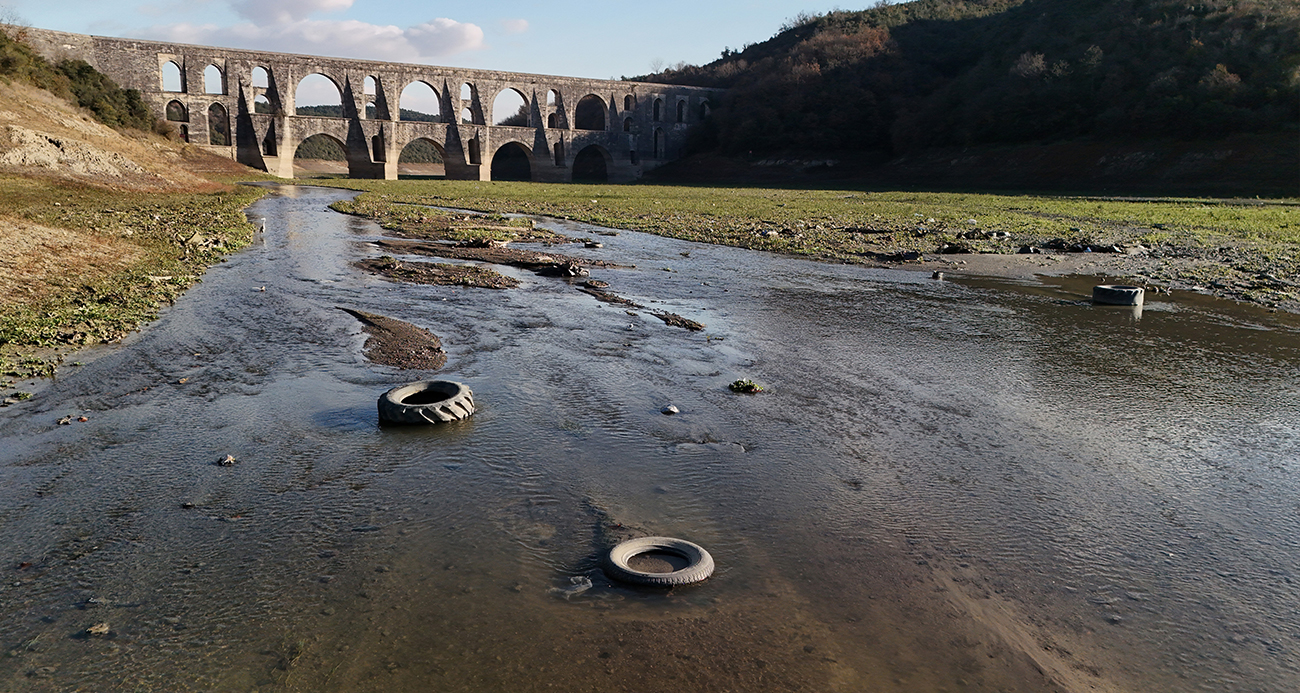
(630,127)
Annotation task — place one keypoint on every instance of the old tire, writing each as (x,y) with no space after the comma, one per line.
(1117,295)
(699,562)
(426,402)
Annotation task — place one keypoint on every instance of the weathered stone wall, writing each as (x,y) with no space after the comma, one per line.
(644,124)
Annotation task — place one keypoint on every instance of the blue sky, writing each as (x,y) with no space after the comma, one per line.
(561,37)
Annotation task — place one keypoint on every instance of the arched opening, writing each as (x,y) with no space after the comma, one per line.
(261,104)
(176,112)
(681,111)
(269,145)
(659,109)
(185,133)
(627,125)
(371,111)
(171,78)
(318,95)
(368,87)
(633,157)
(553,121)
(705,110)
(512,162)
(470,112)
(552,97)
(510,108)
(214,82)
(659,143)
(589,166)
(628,102)
(218,125)
(590,113)
(559,153)
(320,155)
(419,102)
(475,152)
(261,78)
(421,158)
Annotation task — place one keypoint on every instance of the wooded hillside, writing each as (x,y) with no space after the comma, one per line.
(932,73)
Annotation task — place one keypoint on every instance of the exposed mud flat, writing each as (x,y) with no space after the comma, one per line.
(440,273)
(944,488)
(670,319)
(393,342)
(515,257)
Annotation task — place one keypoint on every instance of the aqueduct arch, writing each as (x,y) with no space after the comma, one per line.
(565,115)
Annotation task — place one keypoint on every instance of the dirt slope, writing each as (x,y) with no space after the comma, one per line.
(43,135)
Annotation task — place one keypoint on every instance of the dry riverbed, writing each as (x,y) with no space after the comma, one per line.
(1246,250)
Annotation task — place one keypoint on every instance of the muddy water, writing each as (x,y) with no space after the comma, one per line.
(948,486)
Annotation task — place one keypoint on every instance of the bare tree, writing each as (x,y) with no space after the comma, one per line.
(11,20)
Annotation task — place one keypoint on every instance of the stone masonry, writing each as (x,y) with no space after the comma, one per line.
(632,126)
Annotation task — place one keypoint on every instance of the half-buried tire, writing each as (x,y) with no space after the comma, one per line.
(426,402)
(1117,295)
(698,562)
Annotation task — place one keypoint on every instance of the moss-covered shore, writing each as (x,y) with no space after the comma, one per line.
(1242,249)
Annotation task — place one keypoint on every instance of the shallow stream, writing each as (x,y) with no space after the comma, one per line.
(969,485)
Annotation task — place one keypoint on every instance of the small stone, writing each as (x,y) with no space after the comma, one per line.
(594,244)
(670,410)
(98,630)
(937,275)
(82,419)
(187,505)
(227,461)
(65,421)
(382,569)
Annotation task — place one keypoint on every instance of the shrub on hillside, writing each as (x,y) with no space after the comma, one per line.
(76,81)
(112,105)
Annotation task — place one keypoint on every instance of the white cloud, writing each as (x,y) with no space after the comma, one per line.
(344,38)
(445,36)
(514,26)
(284,11)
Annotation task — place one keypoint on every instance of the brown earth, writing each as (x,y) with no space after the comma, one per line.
(527,259)
(439,273)
(43,136)
(35,259)
(399,344)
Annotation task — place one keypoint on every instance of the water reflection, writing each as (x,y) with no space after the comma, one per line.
(962,485)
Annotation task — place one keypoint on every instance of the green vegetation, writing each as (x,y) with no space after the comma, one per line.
(929,73)
(423,223)
(320,147)
(77,82)
(746,386)
(843,224)
(1253,246)
(178,235)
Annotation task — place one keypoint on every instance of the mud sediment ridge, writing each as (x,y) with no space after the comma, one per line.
(399,344)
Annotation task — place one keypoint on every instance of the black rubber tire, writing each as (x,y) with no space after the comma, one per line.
(1116,295)
(699,562)
(443,401)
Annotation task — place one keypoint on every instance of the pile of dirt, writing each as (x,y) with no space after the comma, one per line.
(439,273)
(45,136)
(399,344)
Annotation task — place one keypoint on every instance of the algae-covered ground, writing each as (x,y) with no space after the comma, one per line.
(1242,249)
(101,261)
(86,265)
